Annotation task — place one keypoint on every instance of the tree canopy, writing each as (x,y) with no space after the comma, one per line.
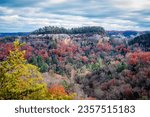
(61,30)
(21,80)
(18,79)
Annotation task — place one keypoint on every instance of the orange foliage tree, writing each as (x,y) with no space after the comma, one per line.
(58,92)
(138,57)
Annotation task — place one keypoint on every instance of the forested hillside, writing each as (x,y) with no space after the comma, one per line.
(79,63)
(143,41)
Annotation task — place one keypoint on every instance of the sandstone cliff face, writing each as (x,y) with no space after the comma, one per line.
(44,38)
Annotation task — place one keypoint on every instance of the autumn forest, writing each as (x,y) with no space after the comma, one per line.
(85,63)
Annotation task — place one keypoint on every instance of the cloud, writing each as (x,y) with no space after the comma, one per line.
(27,15)
(132,4)
(48,3)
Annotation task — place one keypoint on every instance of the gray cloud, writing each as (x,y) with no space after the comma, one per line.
(27,15)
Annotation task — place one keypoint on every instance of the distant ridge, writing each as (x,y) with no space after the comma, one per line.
(14,34)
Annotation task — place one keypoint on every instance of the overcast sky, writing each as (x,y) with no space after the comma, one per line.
(28,15)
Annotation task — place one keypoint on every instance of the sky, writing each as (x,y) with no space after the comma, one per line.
(28,15)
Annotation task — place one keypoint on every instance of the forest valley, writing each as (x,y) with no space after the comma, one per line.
(79,64)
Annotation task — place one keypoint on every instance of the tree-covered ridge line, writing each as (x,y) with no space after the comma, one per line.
(143,41)
(62,30)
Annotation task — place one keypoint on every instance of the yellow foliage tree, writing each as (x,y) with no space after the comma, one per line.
(20,80)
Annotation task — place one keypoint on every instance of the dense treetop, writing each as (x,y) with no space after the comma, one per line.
(61,30)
